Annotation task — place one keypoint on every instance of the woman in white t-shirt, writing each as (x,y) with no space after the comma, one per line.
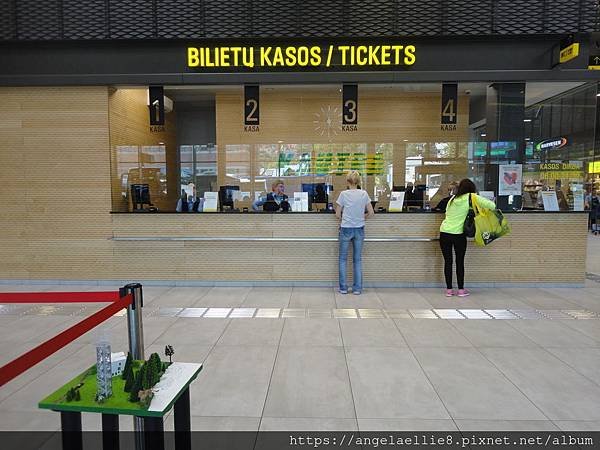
(352,207)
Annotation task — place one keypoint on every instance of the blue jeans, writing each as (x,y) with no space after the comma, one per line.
(357,236)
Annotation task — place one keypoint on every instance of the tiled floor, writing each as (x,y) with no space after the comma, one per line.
(274,365)
(307,358)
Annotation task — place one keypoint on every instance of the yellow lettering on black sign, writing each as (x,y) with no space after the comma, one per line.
(301,56)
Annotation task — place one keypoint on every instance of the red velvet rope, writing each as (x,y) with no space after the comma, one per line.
(42,351)
(59,297)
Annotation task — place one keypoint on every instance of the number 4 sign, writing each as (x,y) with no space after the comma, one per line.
(449,106)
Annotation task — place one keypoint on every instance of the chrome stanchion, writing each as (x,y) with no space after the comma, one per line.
(136,344)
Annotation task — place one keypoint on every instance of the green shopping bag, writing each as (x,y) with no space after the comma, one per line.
(490,224)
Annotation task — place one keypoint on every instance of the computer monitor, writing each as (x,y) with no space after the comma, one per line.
(226,196)
(140,196)
(317,192)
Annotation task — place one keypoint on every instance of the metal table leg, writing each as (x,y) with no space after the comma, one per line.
(72,437)
(183,427)
(110,432)
(154,433)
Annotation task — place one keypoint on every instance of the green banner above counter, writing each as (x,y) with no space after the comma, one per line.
(261,58)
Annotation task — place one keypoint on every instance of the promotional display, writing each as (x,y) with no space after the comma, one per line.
(300,203)
(396,201)
(210,201)
(578,197)
(550,200)
(510,178)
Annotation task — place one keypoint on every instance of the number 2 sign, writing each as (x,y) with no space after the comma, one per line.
(251,108)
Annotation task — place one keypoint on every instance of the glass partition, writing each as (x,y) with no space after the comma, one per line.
(515,140)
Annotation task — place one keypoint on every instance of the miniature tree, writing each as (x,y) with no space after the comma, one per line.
(169,352)
(77,395)
(128,367)
(70,395)
(156,367)
(130,381)
(147,376)
(137,386)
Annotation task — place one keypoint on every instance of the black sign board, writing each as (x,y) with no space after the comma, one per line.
(156,105)
(349,107)
(594,59)
(251,108)
(449,113)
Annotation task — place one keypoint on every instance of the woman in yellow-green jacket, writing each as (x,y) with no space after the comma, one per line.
(452,234)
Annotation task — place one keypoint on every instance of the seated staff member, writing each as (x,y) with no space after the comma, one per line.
(276,195)
(352,207)
(452,234)
(188,203)
(441,206)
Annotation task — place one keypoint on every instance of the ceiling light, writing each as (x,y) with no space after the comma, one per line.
(483,135)
(526,120)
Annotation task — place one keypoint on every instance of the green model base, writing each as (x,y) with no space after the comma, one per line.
(118,403)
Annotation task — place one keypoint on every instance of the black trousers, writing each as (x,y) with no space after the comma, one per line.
(458,242)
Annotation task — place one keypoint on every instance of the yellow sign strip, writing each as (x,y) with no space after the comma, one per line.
(569,53)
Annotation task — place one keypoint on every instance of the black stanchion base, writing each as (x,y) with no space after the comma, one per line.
(110,432)
(183,425)
(72,437)
(154,436)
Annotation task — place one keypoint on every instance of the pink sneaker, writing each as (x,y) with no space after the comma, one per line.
(449,292)
(463,293)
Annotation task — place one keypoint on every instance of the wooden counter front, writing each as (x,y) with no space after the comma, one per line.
(543,248)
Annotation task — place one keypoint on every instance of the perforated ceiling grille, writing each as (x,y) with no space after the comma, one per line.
(84,19)
(197,19)
(528,19)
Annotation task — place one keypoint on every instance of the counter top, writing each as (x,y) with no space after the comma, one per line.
(316,213)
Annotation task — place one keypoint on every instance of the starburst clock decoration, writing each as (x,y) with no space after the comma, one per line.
(327,121)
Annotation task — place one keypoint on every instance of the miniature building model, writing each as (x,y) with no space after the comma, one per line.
(103,371)
(117,363)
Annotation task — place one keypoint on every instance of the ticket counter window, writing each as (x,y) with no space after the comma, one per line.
(398,144)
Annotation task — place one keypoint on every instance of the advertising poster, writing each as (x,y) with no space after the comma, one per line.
(210,201)
(550,200)
(578,197)
(396,201)
(300,202)
(510,179)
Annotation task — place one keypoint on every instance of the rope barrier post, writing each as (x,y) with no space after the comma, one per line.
(136,343)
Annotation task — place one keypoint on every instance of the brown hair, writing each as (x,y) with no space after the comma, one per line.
(466,186)
(275,183)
